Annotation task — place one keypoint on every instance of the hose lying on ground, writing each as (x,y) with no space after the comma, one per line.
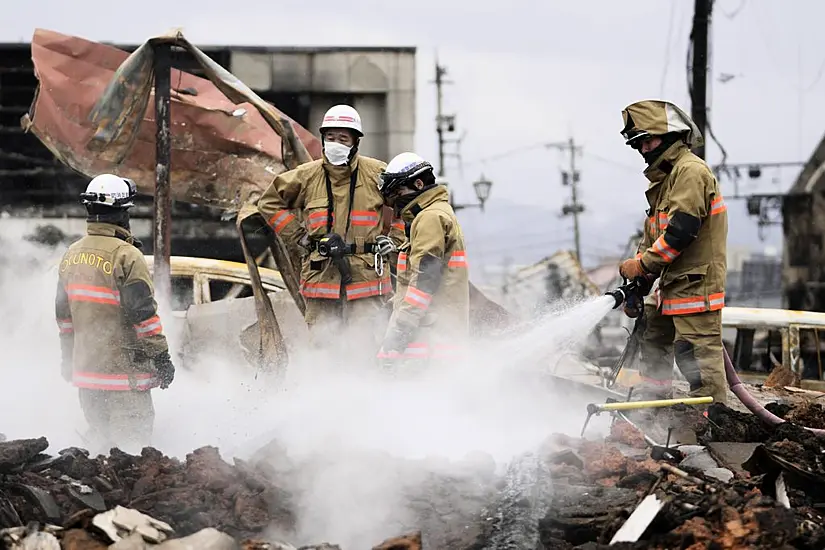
(636,290)
(754,406)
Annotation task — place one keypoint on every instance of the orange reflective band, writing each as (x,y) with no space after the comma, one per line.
(114,382)
(280,220)
(95,294)
(364,218)
(65,326)
(320,290)
(318,219)
(716,301)
(664,250)
(417,298)
(684,306)
(458,259)
(369,288)
(663,220)
(149,327)
(399,225)
(717,206)
(402,262)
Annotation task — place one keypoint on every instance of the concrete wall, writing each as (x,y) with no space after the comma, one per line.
(380,83)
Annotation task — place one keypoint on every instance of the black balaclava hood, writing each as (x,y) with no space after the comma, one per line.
(401,202)
(667,140)
(98,213)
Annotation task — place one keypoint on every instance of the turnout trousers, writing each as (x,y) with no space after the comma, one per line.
(695,341)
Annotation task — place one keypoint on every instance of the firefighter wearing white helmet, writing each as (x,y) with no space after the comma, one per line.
(331,212)
(112,342)
(430,319)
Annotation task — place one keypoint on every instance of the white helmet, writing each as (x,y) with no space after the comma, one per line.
(342,116)
(403,169)
(110,190)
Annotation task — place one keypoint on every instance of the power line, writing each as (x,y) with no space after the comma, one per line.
(613,162)
(507,154)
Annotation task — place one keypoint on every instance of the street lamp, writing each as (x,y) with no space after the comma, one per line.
(482,188)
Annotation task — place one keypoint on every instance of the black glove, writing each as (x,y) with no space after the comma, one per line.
(165,369)
(385,245)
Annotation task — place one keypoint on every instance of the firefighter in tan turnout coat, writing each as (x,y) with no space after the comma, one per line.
(112,342)
(684,246)
(341,234)
(430,319)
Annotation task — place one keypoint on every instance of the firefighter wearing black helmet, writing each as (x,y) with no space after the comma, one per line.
(430,319)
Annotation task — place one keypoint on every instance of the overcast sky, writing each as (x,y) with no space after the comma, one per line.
(527,72)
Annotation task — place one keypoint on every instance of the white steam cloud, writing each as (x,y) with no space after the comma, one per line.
(358,443)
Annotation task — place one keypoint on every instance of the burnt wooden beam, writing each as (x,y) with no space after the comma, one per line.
(162,204)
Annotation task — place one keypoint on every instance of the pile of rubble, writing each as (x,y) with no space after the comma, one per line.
(127,502)
(741,485)
(765,489)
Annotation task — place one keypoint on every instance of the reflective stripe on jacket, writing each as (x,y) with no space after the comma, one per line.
(296,204)
(106,313)
(691,277)
(432,301)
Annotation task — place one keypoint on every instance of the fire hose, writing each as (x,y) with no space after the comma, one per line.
(632,293)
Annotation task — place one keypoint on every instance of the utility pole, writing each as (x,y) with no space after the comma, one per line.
(571,178)
(442,122)
(699,71)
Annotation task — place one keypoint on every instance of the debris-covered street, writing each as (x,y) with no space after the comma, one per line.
(765,489)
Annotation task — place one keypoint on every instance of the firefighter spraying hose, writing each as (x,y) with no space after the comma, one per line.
(633,292)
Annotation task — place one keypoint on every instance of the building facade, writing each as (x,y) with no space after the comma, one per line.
(36,190)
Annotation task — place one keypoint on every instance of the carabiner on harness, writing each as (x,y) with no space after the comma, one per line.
(379,270)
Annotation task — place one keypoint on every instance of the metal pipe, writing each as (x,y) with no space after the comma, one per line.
(162,204)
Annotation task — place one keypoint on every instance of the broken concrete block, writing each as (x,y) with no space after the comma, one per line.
(132,541)
(722,474)
(688,450)
(698,461)
(205,539)
(121,522)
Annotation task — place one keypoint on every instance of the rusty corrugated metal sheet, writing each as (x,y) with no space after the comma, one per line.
(227,143)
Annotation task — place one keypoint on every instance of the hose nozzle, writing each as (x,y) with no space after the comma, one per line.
(631,293)
(619,295)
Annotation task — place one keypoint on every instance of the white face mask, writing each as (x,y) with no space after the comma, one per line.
(336,153)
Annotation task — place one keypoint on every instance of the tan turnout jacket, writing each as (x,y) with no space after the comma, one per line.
(431,306)
(106,312)
(296,205)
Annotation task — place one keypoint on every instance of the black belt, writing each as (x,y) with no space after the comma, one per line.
(369,248)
